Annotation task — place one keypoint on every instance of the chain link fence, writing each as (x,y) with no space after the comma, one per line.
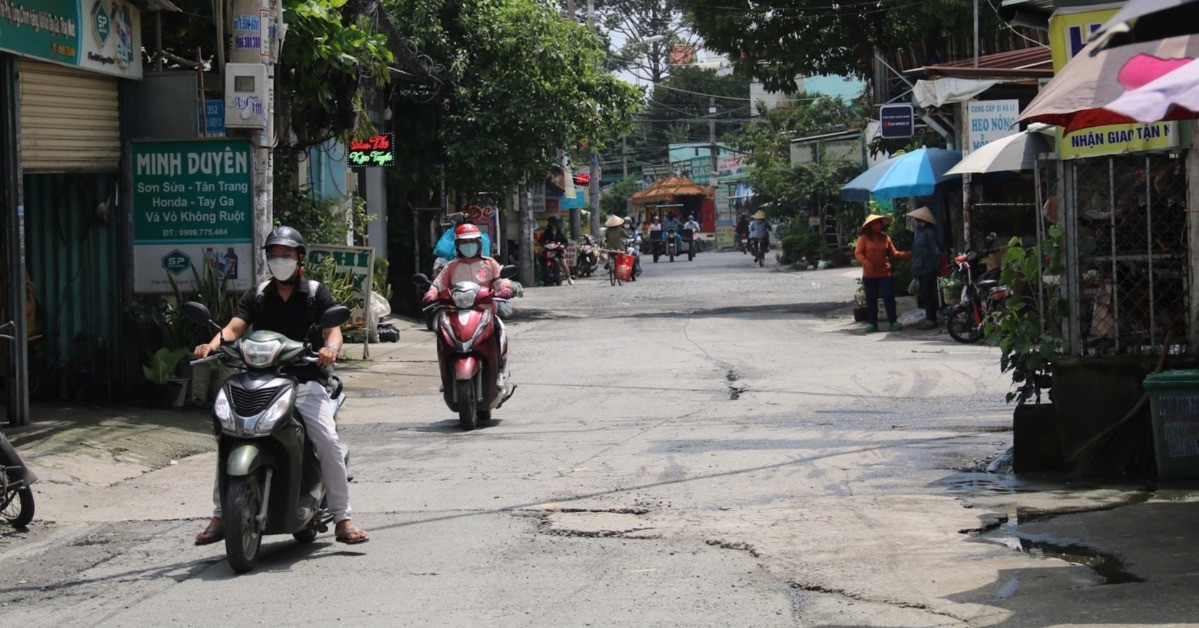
(1129,223)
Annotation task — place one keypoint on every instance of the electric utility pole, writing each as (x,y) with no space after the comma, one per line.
(262,140)
(593,185)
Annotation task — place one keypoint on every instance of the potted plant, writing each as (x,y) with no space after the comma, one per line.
(167,389)
(1028,335)
(213,289)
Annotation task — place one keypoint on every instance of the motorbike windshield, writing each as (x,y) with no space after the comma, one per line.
(464,294)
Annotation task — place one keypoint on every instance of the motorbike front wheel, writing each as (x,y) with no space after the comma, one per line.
(243,538)
(961,326)
(468,406)
(17,506)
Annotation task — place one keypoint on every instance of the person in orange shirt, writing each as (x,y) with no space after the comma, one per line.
(875,250)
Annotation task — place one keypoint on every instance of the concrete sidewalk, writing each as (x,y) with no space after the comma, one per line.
(74,445)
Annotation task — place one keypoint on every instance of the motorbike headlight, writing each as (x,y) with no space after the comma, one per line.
(222,410)
(464,300)
(259,354)
(277,410)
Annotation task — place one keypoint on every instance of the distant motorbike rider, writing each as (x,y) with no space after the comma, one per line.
(759,231)
(671,226)
(471,265)
(742,231)
(553,233)
(287,305)
(634,246)
(694,227)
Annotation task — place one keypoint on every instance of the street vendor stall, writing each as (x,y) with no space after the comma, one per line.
(681,196)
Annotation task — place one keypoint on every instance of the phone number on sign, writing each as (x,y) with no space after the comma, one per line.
(202,232)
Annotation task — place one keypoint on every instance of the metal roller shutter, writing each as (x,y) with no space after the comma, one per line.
(69,119)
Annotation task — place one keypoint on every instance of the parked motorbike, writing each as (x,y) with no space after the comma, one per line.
(268,475)
(16,498)
(981,295)
(471,344)
(551,267)
(587,259)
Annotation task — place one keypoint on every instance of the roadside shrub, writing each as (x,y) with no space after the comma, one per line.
(799,245)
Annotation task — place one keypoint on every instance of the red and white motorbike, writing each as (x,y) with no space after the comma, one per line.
(471,345)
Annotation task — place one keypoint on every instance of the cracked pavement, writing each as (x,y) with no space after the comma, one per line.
(714,444)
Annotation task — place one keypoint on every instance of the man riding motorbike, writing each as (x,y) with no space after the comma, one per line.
(693,225)
(742,232)
(471,265)
(671,226)
(287,304)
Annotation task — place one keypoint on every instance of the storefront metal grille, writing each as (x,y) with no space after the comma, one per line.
(1130,246)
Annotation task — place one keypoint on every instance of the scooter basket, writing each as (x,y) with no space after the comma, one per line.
(624,266)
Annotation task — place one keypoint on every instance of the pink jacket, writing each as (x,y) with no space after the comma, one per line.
(484,271)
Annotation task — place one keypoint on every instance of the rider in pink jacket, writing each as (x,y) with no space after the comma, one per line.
(470,265)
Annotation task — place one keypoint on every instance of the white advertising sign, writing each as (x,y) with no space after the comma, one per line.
(989,120)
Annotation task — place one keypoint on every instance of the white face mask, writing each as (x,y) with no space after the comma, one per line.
(282,268)
(468,249)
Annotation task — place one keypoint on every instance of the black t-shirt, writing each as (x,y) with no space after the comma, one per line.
(290,318)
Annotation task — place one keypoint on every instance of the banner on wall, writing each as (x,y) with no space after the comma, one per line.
(192,212)
(102,36)
(1069,33)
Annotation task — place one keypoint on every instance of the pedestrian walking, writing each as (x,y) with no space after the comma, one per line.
(926,261)
(875,250)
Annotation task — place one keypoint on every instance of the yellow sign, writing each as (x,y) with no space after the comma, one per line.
(1068,34)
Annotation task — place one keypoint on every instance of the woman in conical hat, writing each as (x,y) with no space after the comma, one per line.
(614,221)
(926,262)
(875,250)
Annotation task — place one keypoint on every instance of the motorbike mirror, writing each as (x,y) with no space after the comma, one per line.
(197,313)
(421,279)
(335,316)
(453,219)
(508,271)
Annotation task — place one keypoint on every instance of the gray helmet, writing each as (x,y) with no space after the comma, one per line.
(286,236)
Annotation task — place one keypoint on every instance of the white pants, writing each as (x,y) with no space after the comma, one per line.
(316,408)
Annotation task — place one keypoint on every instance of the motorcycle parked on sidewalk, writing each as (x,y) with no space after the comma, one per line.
(471,345)
(16,498)
(551,272)
(268,476)
(981,295)
(588,258)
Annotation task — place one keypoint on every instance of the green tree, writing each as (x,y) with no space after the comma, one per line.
(777,40)
(613,201)
(521,81)
(319,85)
(792,190)
(643,35)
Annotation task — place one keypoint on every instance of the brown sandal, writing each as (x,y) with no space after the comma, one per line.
(211,534)
(351,535)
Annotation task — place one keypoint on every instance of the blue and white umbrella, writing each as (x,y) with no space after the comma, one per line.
(909,174)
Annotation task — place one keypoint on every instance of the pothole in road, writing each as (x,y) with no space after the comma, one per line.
(1106,565)
(734,390)
(629,523)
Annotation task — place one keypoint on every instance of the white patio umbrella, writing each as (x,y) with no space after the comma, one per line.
(1007,154)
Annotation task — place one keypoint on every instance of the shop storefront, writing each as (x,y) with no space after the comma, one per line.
(62,64)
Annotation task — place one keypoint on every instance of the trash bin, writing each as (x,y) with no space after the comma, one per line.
(1174,409)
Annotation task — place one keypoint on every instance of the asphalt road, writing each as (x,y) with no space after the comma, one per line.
(712,445)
